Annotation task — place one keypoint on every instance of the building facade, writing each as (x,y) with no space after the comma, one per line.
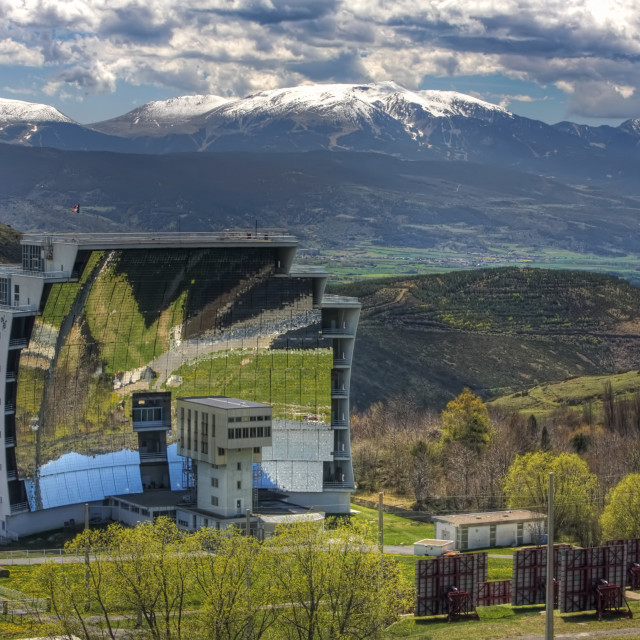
(490,529)
(89,324)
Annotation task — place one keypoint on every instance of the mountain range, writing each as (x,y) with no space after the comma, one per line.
(380,117)
(338,165)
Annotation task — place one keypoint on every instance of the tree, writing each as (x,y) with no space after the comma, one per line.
(336,583)
(466,419)
(574,486)
(233,580)
(621,515)
(304,584)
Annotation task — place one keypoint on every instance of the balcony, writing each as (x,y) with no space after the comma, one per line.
(153,456)
(151,425)
(337,484)
(19,507)
(19,343)
(339,332)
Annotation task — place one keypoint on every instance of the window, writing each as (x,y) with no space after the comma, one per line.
(238,433)
(267,432)
(214,501)
(260,418)
(16,294)
(205,424)
(252,432)
(214,482)
(253,418)
(204,447)
(239,466)
(260,432)
(256,449)
(147,414)
(230,433)
(195,431)
(4,291)
(245,432)
(239,484)
(220,451)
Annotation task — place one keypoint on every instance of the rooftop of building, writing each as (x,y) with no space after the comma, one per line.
(158,498)
(222,402)
(491,517)
(173,240)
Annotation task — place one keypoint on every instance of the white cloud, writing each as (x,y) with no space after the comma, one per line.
(235,46)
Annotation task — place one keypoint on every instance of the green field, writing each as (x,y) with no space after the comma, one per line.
(575,393)
(367,261)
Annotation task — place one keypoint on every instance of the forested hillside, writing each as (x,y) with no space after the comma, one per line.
(492,330)
(9,244)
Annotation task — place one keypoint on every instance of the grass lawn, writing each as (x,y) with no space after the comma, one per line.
(526,621)
(397,530)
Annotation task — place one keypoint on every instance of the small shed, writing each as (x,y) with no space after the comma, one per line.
(429,547)
(491,529)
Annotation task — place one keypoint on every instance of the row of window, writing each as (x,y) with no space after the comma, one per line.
(248,432)
(147,414)
(250,419)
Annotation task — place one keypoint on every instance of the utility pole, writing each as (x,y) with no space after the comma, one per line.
(380,522)
(548,631)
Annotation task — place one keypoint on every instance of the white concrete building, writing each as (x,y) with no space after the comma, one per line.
(490,529)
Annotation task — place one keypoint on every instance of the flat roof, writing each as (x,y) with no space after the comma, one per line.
(172,240)
(491,517)
(222,402)
(157,498)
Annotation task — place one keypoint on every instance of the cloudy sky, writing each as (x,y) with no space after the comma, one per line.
(547,59)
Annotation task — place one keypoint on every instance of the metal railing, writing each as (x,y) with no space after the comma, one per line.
(12,475)
(10,376)
(19,507)
(118,239)
(340,331)
(14,270)
(9,408)
(339,423)
(341,362)
(335,484)
(341,454)
(9,441)
(19,343)
(339,393)
(31,308)
(152,456)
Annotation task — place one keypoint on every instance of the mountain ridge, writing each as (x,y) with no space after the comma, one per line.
(378,117)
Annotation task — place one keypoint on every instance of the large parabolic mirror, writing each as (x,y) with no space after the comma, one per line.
(215,321)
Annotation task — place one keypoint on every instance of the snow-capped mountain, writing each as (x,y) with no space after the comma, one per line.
(380,117)
(18,111)
(162,117)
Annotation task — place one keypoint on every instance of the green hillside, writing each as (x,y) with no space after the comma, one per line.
(494,330)
(543,400)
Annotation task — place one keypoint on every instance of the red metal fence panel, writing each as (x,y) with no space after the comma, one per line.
(436,576)
(494,592)
(633,559)
(530,574)
(582,570)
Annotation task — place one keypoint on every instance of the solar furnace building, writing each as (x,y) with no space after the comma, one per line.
(87,321)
